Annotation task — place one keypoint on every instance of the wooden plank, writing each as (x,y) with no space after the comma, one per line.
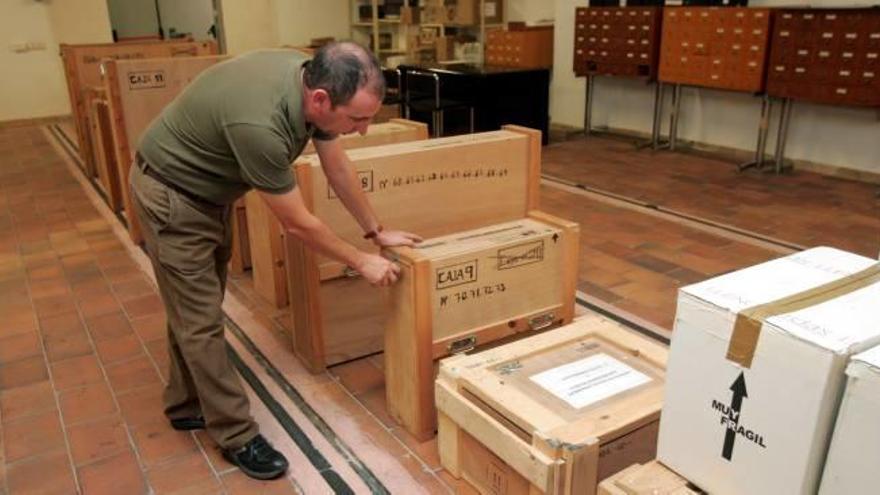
(433,188)
(413,366)
(137,92)
(105,154)
(266,243)
(82,70)
(305,293)
(266,235)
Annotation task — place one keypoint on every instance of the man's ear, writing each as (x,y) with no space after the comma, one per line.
(321,98)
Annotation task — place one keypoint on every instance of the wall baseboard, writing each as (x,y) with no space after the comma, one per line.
(52,119)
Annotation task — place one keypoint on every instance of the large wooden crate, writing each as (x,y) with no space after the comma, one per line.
(462,291)
(433,187)
(266,236)
(137,91)
(82,71)
(652,478)
(551,414)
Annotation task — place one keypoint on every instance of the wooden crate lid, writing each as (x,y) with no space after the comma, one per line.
(420,146)
(612,379)
(491,237)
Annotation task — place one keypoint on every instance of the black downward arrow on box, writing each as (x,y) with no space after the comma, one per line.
(739,392)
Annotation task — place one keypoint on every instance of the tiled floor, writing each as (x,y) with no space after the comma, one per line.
(82,352)
(82,348)
(802,208)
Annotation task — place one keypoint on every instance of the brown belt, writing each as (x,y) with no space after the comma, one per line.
(150,171)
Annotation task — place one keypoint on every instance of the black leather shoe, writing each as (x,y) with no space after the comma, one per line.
(185,424)
(258,459)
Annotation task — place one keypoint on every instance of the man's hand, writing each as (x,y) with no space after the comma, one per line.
(377,270)
(392,238)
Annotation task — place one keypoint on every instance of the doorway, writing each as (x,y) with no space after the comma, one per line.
(144,20)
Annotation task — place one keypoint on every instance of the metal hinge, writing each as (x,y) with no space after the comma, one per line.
(510,368)
(541,322)
(462,345)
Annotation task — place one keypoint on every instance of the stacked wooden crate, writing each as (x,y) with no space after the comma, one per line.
(83,73)
(431,187)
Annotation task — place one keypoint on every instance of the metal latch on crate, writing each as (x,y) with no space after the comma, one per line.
(541,322)
(462,345)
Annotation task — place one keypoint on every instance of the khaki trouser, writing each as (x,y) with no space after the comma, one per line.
(189,246)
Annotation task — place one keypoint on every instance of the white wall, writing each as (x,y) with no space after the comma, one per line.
(33,84)
(301,20)
(253,24)
(529,11)
(844,137)
(249,25)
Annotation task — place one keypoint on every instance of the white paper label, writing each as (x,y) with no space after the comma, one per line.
(589,380)
(489,9)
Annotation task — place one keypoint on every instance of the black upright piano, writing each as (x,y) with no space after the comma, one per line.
(499,95)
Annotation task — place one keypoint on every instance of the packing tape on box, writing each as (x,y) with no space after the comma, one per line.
(747,327)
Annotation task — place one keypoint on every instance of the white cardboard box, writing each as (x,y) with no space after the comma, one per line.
(762,426)
(853,464)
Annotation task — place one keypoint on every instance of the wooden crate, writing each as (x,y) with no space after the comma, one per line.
(137,91)
(465,290)
(652,478)
(554,413)
(82,71)
(266,236)
(433,187)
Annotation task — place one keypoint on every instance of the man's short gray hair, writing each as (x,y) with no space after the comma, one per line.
(342,68)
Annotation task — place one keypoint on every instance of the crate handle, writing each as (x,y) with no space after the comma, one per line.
(541,322)
(462,345)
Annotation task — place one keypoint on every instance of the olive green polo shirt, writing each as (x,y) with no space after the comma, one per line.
(237,126)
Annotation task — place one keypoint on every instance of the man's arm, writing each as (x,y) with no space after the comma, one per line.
(296,220)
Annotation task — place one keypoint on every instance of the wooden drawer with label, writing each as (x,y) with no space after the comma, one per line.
(459,292)
(826,56)
(617,41)
(521,48)
(713,47)
(554,413)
